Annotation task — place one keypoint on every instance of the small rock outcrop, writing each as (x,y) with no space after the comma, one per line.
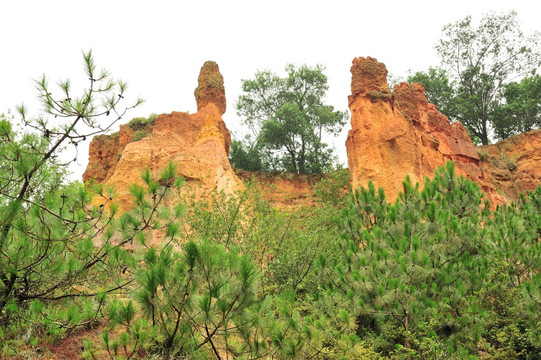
(197,143)
(104,152)
(394,134)
(514,164)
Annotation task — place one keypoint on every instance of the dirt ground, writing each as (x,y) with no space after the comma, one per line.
(66,349)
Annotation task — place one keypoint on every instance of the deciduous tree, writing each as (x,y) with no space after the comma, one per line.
(288,119)
(520,108)
(481,61)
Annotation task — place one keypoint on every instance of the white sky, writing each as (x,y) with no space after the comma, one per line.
(159,46)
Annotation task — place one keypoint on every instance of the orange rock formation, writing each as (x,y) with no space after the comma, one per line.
(198,143)
(397,134)
(393,134)
(286,191)
(104,153)
(514,164)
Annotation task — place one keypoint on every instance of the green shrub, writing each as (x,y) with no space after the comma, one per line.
(140,134)
(334,188)
(139,123)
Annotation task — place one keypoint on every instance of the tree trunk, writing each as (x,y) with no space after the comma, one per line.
(406,326)
(484,135)
(484,139)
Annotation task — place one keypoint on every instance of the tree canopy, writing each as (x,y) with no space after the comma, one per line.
(520,109)
(287,119)
(479,64)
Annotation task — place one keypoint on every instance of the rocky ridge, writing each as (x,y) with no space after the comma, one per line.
(393,134)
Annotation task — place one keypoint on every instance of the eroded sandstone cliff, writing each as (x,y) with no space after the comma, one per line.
(395,134)
(514,164)
(104,152)
(197,143)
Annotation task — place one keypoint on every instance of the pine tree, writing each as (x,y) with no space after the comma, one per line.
(418,261)
(47,226)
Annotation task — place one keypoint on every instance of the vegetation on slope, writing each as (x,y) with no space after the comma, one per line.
(434,275)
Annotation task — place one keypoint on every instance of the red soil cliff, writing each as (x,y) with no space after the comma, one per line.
(514,164)
(104,152)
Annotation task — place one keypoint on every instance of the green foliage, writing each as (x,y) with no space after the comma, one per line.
(140,134)
(437,275)
(520,108)
(209,298)
(245,219)
(507,334)
(334,188)
(283,246)
(294,256)
(244,155)
(434,275)
(405,261)
(188,300)
(142,126)
(210,291)
(479,64)
(48,229)
(288,118)
(140,123)
(516,232)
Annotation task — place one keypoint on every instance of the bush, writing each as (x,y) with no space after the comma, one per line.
(140,123)
(140,134)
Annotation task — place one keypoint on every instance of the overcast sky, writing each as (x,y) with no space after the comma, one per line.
(159,46)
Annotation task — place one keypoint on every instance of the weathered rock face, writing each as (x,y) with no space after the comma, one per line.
(198,143)
(452,141)
(285,191)
(104,153)
(381,144)
(210,88)
(514,164)
(393,134)
(397,134)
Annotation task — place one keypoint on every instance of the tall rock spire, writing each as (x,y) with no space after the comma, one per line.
(211,87)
